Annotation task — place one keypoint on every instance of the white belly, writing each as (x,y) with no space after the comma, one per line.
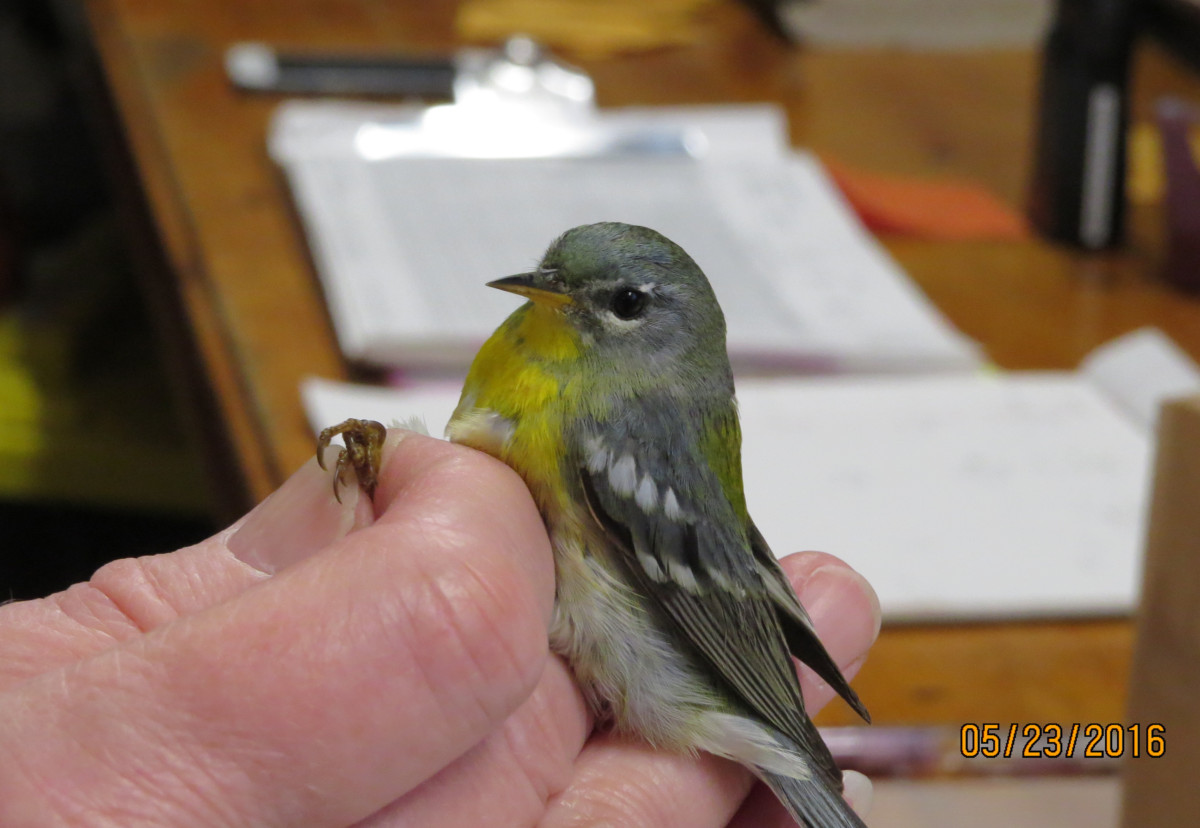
(628,668)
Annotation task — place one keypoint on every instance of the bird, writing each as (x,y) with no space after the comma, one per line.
(609,391)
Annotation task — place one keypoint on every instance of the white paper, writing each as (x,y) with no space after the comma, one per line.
(1141,369)
(956,497)
(404,246)
(961,497)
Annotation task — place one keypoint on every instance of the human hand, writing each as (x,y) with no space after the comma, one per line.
(326,664)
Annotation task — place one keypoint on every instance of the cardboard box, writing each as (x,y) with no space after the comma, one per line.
(1164,790)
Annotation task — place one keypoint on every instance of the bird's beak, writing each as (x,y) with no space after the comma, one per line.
(535,286)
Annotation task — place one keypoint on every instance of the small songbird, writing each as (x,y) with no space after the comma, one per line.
(610,393)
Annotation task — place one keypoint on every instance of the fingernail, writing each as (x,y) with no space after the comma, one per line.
(298,519)
(858,791)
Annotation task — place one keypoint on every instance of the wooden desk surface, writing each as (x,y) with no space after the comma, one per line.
(253,320)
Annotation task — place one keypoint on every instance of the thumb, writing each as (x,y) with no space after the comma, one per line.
(316,696)
(128,597)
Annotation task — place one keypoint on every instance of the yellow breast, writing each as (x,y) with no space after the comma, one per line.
(518,396)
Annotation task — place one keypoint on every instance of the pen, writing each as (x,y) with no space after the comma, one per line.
(261,68)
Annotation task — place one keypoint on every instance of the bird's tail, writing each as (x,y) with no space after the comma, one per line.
(813,802)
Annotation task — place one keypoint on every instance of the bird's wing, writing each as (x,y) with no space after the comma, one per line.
(663,507)
(798,628)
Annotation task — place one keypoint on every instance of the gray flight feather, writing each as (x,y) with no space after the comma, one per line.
(811,803)
(798,627)
(728,617)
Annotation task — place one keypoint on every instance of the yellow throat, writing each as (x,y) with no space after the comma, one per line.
(518,395)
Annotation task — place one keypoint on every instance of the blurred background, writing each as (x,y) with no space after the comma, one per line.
(94,461)
(1016,177)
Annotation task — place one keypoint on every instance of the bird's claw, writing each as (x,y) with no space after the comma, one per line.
(363,453)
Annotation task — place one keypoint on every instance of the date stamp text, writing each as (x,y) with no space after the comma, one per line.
(1092,740)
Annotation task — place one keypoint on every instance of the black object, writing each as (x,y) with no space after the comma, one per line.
(1078,191)
(1175,119)
(771,16)
(1176,24)
(259,67)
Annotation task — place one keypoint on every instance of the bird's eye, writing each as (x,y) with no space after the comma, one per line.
(628,303)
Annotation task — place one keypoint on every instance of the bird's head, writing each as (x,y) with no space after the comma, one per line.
(630,294)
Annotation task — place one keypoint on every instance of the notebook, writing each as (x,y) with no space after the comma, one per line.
(408,215)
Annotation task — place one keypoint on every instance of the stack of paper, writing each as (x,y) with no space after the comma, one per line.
(410,211)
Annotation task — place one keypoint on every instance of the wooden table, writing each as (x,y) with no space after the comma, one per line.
(235,287)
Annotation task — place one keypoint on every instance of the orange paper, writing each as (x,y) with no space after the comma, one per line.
(944,208)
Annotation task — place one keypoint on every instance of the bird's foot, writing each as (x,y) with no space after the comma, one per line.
(363,453)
